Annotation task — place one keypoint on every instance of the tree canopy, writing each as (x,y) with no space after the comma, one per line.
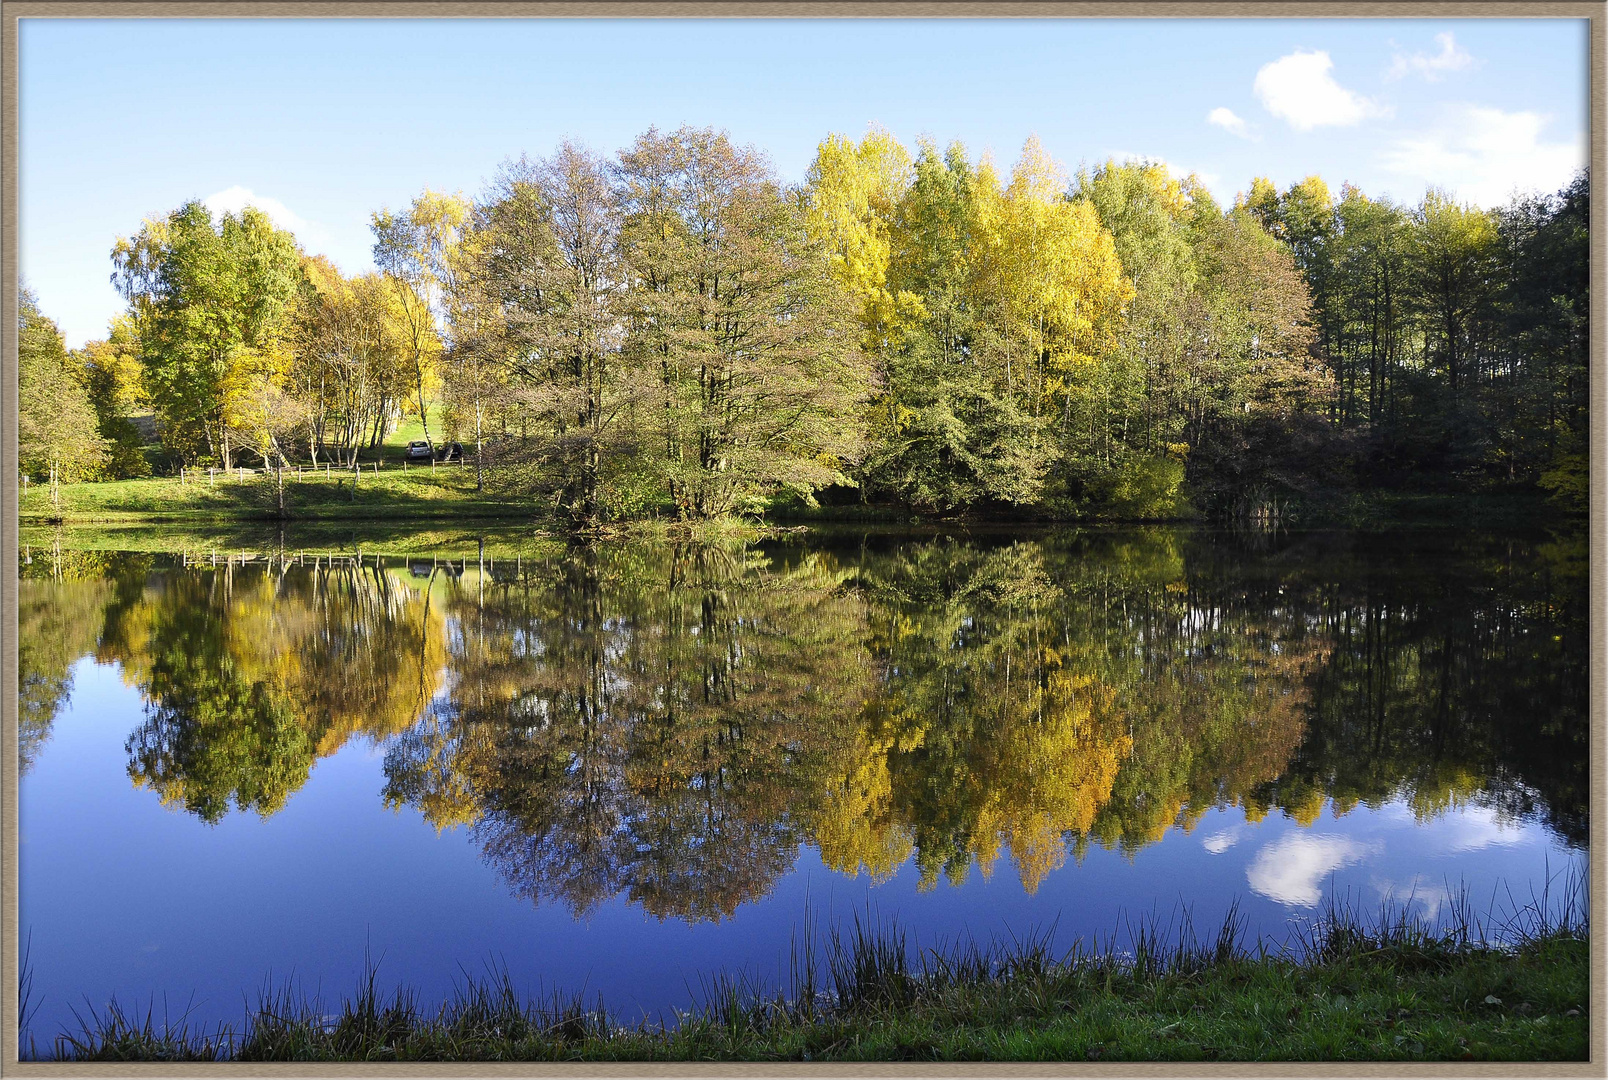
(672,330)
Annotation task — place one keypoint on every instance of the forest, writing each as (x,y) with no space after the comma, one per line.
(675,332)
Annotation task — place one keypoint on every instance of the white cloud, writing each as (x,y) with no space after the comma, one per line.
(1291,869)
(1228,121)
(1478,828)
(1484,155)
(1219,842)
(1299,89)
(1417,890)
(1176,171)
(233,200)
(1450,58)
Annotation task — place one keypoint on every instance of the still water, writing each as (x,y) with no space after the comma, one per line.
(618,770)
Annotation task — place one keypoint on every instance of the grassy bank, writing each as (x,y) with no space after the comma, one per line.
(400,494)
(1391,990)
(446,538)
(393,493)
(449,537)
(1319,510)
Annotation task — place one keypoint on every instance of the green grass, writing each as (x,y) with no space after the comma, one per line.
(410,428)
(446,538)
(1391,990)
(394,493)
(455,536)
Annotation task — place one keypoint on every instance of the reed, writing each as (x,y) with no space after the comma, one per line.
(1357,982)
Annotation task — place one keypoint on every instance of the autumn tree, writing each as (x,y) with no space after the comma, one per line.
(759,368)
(110,372)
(415,249)
(350,367)
(545,278)
(208,301)
(854,192)
(1000,296)
(1052,286)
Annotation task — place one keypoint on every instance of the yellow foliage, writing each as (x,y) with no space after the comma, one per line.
(1054,767)
(1049,268)
(857,828)
(1306,810)
(853,192)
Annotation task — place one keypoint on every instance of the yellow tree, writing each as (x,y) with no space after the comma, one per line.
(1049,290)
(414,250)
(853,193)
(352,365)
(1050,271)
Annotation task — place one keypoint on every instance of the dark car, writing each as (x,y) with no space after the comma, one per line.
(419,450)
(450,452)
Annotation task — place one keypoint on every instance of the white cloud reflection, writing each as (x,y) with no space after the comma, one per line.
(1291,869)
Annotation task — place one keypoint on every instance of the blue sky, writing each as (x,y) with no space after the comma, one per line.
(320,122)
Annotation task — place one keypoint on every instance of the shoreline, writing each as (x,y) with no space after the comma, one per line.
(1345,990)
(416,496)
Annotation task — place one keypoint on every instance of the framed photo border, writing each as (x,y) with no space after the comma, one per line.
(1596,15)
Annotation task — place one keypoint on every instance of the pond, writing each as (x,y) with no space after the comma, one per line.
(619,770)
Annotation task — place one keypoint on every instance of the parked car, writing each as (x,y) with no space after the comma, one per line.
(419,450)
(450,452)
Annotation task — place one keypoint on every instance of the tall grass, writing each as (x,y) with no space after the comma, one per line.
(1376,982)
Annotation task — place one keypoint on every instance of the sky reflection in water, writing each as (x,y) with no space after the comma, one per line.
(620,771)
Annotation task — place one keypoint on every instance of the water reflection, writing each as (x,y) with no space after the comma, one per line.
(652,720)
(672,722)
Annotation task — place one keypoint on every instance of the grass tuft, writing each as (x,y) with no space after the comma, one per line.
(1381,983)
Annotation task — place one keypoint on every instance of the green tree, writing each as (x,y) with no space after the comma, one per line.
(1544,310)
(57,433)
(759,368)
(1452,259)
(1210,375)
(1129,446)
(208,301)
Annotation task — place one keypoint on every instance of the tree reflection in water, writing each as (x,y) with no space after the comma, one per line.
(671,722)
(649,719)
(252,672)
